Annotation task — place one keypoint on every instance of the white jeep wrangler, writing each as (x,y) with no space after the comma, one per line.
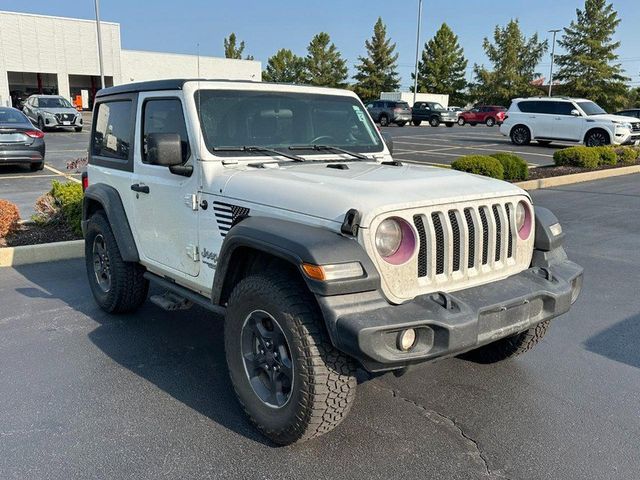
(281,208)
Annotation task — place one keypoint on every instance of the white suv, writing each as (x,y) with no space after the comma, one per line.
(567,120)
(281,208)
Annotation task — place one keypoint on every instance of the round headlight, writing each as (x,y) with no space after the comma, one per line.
(523,220)
(388,237)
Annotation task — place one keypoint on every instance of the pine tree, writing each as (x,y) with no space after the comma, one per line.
(233,50)
(324,63)
(285,67)
(377,72)
(514,59)
(442,67)
(589,68)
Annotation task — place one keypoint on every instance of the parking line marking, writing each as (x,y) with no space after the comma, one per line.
(417,162)
(67,150)
(55,170)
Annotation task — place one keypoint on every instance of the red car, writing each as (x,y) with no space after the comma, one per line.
(487,114)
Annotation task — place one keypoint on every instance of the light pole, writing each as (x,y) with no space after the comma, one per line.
(97,4)
(415,74)
(553,51)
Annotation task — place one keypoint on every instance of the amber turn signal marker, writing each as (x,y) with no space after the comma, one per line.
(313,271)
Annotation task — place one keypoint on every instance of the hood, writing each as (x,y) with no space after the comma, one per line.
(613,118)
(328,193)
(59,110)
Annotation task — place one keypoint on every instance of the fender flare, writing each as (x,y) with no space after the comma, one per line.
(297,243)
(109,199)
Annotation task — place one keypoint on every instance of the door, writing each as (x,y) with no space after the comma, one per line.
(566,126)
(539,117)
(165,204)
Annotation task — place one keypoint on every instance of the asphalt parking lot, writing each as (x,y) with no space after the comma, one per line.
(443,145)
(88,395)
(23,187)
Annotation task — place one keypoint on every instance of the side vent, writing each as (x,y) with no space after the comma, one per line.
(228,215)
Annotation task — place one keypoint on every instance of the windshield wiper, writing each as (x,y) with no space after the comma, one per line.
(329,148)
(251,148)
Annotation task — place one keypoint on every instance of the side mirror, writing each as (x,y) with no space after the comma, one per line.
(164,149)
(388,140)
(576,113)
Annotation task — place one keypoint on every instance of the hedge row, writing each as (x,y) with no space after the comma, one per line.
(502,165)
(61,205)
(593,157)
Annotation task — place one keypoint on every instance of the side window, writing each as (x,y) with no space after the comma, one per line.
(34,102)
(164,115)
(563,108)
(112,134)
(548,108)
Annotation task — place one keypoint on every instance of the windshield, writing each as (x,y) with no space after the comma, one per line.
(278,120)
(437,106)
(591,108)
(53,102)
(10,115)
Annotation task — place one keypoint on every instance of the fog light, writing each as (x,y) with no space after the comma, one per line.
(406,339)
(576,288)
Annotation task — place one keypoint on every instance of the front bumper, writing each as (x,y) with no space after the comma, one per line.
(54,121)
(451,323)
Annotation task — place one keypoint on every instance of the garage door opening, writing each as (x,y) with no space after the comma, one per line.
(83,89)
(23,84)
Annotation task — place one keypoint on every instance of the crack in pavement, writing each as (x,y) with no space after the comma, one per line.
(439,419)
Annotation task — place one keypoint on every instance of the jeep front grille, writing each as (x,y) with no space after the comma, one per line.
(458,246)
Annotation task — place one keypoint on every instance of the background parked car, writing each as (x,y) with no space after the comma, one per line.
(632,112)
(52,111)
(487,114)
(20,142)
(432,112)
(385,112)
(458,110)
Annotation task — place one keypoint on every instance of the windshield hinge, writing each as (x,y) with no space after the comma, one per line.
(193,253)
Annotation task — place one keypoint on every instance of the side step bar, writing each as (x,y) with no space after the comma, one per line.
(184,293)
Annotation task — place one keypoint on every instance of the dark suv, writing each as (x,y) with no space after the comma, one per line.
(432,112)
(385,112)
(487,114)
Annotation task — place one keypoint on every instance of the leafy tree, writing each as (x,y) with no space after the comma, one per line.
(377,72)
(634,98)
(589,68)
(514,59)
(442,67)
(233,50)
(324,63)
(285,67)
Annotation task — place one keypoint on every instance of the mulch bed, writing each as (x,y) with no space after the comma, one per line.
(32,234)
(553,171)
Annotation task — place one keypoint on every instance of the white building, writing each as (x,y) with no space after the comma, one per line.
(45,54)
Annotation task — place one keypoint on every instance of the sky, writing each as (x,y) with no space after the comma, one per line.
(267,25)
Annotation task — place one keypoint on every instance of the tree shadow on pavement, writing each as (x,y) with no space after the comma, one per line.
(618,342)
(182,353)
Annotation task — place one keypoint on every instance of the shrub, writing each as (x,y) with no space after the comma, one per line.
(515,167)
(9,217)
(480,165)
(585,157)
(61,205)
(627,155)
(607,156)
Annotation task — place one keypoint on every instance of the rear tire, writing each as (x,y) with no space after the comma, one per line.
(401,124)
(314,384)
(520,135)
(417,123)
(449,124)
(78,129)
(36,166)
(384,120)
(117,286)
(434,121)
(490,122)
(509,347)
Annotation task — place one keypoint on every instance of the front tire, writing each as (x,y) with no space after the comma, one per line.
(417,122)
(597,138)
(291,382)
(434,121)
(78,129)
(520,135)
(117,286)
(384,121)
(461,122)
(509,347)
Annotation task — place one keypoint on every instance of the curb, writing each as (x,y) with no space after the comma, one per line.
(577,178)
(45,252)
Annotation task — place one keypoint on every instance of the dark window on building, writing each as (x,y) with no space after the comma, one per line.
(113,130)
(164,115)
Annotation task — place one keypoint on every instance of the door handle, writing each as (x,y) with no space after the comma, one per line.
(140,188)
